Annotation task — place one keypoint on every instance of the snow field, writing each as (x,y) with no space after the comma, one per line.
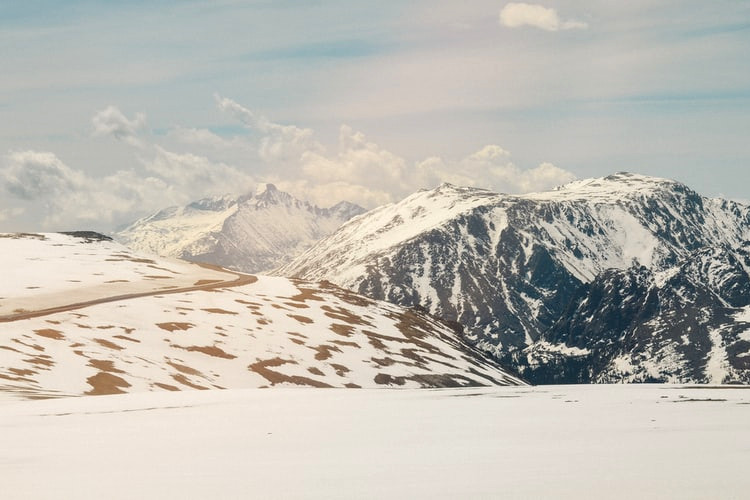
(594,442)
(268,332)
(50,270)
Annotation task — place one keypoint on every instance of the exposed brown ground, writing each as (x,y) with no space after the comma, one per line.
(166,386)
(301,319)
(184,369)
(40,360)
(210,350)
(306,294)
(262,368)
(344,315)
(184,381)
(323,352)
(50,333)
(341,370)
(343,330)
(216,310)
(129,339)
(109,345)
(106,383)
(172,326)
(104,365)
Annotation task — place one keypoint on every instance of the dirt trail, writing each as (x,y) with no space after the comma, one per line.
(241,280)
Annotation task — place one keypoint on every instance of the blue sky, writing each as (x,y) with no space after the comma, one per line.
(110,111)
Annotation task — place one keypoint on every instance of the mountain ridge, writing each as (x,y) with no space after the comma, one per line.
(250,233)
(509,268)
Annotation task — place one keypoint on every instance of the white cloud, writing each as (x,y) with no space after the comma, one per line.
(278,142)
(357,170)
(491,168)
(191,176)
(363,172)
(200,137)
(32,175)
(111,121)
(357,161)
(515,15)
(490,153)
(65,197)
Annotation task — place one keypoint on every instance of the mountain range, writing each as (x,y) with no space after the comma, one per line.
(623,278)
(250,233)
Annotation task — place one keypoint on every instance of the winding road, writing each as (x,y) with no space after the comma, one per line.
(241,280)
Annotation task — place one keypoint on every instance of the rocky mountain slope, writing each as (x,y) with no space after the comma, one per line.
(87,316)
(251,233)
(622,278)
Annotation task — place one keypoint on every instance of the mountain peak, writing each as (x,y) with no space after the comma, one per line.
(268,194)
(346,210)
(454,191)
(250,233)
(611,188)
(265,187)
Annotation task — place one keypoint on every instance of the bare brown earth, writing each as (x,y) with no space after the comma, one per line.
(262,368)
(210,350)
(50,333)
(106,383)
(172,326)
(109,345)
(216,310)
(241,280)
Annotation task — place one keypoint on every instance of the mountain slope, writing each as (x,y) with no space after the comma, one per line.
(251,233)
(93,318)
(523,271)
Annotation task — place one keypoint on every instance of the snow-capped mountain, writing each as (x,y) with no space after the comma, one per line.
(88,316)
(251,233)
(626,277)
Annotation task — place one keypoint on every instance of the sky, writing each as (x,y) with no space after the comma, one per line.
(112,110)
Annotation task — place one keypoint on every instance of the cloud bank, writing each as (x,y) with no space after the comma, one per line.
(363,172)
(65,197)
(516,15)
(357,170)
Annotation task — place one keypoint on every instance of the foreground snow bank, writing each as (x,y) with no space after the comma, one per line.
(543,442)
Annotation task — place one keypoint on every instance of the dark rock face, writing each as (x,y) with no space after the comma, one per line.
(87,236)
(625,278)
(639,328)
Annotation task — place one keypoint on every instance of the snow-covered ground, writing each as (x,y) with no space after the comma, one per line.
(642,441)
(116,328)
(41,271)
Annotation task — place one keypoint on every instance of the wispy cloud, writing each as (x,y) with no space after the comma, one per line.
(516,15)
(111,121)
(277,142)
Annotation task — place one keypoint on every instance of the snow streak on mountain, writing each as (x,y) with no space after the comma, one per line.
(252,233)
(623,278)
